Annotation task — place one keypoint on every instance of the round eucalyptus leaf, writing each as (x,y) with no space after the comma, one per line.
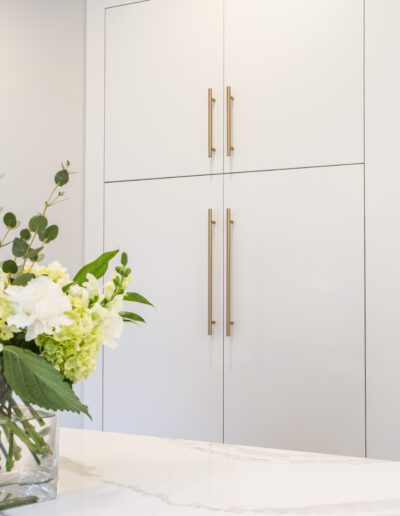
(25,234)
(10,220)
(51,233)
(38,223)
(61,178)
(19,247)
(10,267)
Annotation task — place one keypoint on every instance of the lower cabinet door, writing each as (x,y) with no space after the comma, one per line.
(166,377)
(294,373)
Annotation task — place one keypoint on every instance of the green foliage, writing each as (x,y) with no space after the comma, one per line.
(10,267)
(25,234)
(37,382)
(61,178)
(33,254)
(38,223)
(10,220)
(97,268)
(124,259)
(51,233)
(23,246)
(19,247)
(23,279)
(134,297)
(131,317)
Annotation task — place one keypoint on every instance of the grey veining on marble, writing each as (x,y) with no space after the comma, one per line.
(106,474)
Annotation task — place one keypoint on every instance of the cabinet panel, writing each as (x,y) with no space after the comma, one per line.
(161,58)
(382,228)
(296,72)
(166,378)
(294,365)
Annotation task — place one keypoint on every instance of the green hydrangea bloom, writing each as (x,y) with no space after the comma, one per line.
(74,348)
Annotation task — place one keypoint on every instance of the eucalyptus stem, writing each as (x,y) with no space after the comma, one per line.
(2,244)
(47,205)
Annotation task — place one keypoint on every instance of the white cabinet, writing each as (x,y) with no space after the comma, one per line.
(294,364)
(161,56)
(295,68)
(166,377)
(296,72)
(292,372)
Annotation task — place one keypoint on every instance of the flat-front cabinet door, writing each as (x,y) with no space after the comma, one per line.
(162,56)
(295,68)
(294,364)
(166,377)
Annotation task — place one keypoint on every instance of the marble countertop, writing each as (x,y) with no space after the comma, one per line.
(115,474)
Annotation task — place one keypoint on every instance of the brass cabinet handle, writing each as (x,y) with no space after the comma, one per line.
(229,223)
(210,271)
(211,101)
(229,99)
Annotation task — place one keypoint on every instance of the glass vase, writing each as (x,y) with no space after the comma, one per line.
(28,451)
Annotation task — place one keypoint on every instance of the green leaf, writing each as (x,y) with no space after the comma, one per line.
(51,233)
(38,223)
(66,287)
(124,259)
(10,220)
(25,234)
(62,177)
(19,247)
(33,254)
(98,268)
(10,267)
(134,297)
(131,317)
(24,279)
(36,381)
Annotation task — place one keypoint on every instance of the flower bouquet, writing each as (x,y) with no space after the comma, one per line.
(51,330)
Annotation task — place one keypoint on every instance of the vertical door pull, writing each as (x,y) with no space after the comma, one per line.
(229,223)
(211,222)
(229,99)
(211,101)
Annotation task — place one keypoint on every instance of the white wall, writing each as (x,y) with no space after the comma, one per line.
(42,49)
(383,227)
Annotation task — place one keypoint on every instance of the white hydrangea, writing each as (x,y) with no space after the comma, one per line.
(38,307)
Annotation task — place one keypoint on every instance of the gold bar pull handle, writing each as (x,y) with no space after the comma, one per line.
(211,101)
(229,99)
(229,223)
(210,271)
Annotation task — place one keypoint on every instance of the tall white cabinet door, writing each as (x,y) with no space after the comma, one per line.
(166,378)
(294,365)
(162,56)
(296,72)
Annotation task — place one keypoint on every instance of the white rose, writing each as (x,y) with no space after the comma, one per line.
(39,307)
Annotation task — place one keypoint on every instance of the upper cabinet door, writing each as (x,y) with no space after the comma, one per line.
(162,56)
(295,68)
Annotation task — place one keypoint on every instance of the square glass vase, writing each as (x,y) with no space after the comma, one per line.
(28,454)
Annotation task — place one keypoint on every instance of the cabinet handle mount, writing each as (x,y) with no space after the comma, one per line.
(229,223)
(229,99)
(211,101)
(211,222)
